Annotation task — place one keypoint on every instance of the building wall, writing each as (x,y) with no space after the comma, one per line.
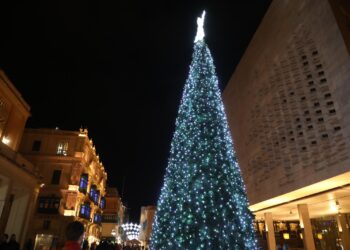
(19,184)
(288,99)
(113,213)
(63,158)
(14,112)
(146,222)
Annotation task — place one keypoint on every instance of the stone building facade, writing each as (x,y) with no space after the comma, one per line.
(74,183)
(19,183)
(113,215)
(289,112)
(146,222)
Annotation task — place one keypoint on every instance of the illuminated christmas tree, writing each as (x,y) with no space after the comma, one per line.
(203,203)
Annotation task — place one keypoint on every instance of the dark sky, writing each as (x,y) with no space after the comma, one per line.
(118,68)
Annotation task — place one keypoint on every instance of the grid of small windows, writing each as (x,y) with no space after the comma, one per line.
(62,148)
(295,120)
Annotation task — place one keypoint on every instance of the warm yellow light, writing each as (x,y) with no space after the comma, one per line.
(327,184)
(69,212)
(42,185)
(319,236)
(301,236)
(73,187)
(6,140)
(286,236)
(333,206)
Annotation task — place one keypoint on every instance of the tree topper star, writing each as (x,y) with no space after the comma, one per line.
(200,29)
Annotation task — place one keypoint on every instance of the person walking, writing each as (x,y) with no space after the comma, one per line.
(74,235)
(13,244)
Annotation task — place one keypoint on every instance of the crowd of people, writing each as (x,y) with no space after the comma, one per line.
(75,240)
(9,244)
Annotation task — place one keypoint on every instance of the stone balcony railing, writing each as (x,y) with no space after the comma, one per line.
(17,159)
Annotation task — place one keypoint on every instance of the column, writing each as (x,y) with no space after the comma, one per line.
(7,200)
(30,211)
(271,241)
(343,231)
(305,224)
(17,214)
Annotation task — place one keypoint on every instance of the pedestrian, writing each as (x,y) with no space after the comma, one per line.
(29,244)
(4,238)
(3,241)
(13,244)
(74,236)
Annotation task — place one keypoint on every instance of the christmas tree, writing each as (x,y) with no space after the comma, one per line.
(203,202)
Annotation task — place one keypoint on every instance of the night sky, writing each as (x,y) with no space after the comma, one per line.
(118,68)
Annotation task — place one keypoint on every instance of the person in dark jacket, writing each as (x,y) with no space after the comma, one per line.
(75,236)
(3,241)
(13,244)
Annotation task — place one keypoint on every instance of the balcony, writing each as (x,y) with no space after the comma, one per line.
(109,218)
(68,205)
(48,205)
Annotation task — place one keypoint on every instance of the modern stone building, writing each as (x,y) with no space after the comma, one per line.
(288,106)
(19,184)
(113,215)
(74,184)
(146,222)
